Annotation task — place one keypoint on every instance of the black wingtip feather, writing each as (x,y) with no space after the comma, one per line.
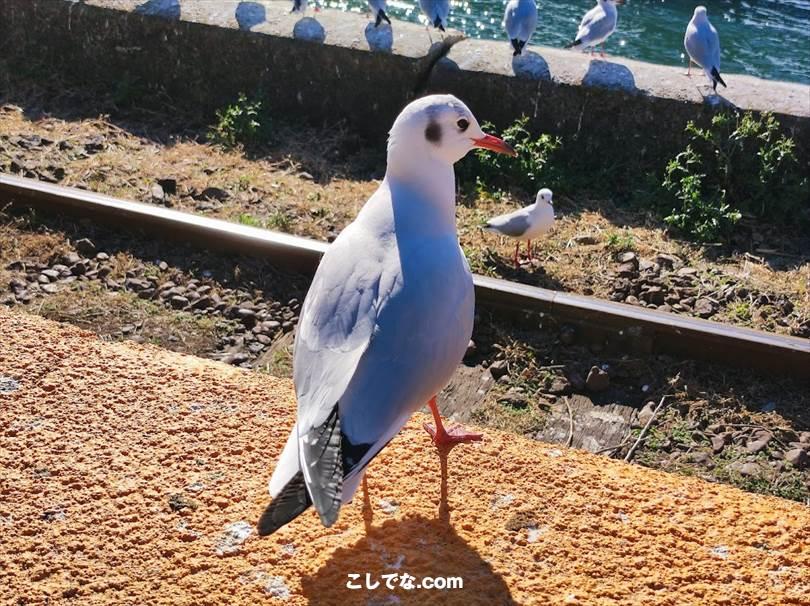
(717,78)
(291,502)
(574,43)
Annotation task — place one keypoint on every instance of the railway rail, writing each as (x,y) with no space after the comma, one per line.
(594,320)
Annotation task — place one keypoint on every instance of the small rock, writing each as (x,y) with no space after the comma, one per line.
(719,442)
(749,469)
(804,437)
(598,380)
(631,300)
(514,398)
(646,413)
(654,295)
(178,302)
(686,271)
(51,274)
(668,261)
(389,506)
(85,247)
(471,349)
(585,240)
(247,316)
(701,458)
(169,186)
(797,457)
(498,369)
(626,270)
(213,193)
(559,386)
(758,444)
(158,196)
(704,308)
(236,358)
(628,257)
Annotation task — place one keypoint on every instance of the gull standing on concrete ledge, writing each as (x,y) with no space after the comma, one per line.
(597,25)
(520,21)
(527,223)
(703,46)
(387,319)
(378,10)
(437,12)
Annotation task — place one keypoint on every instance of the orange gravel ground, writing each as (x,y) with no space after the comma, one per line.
(100,438)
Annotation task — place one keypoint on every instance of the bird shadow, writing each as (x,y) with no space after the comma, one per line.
(250,14)
(530,65)
(168,9)
(605,74)
(380,38)
(419,546)
(310,29)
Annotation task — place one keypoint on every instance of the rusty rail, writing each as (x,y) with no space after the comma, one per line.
(635,327)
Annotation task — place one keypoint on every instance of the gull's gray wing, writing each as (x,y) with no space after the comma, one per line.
(520,20)
(703,45)
(514,224)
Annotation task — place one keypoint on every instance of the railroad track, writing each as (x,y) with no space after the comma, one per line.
(595,320)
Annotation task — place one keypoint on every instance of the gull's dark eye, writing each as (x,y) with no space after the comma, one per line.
(463,124)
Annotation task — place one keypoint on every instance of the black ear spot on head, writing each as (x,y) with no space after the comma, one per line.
(433,132)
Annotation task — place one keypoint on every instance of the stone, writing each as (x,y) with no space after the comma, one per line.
(598,380)
(50,288)
(626,270)
(236,358)
(85,247)
(654,295)
(51,274)
(646,413)
(686,271)
(804,437)
(668,261)
(797,457)
(471,349)
(247,316)
(157,194)
(169,186)
(498,369)
(749,469)
(704,308)
(627,257)
(178,302)
(514,398)
(631,300)
(719,442)
(758,444)
(559,386)
(585,240)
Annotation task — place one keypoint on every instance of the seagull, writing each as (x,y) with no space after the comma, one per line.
(436,11)
(597,25)
(527,223)
(520,21)
(378,10)
(703,46)
(387,319)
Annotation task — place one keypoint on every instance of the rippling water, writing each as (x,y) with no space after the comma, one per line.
(765,38)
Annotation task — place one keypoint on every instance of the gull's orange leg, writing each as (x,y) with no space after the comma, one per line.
(603,50)
(517,247)
(529,247)
(447,438)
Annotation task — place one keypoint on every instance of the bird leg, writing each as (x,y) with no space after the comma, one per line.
(447,438)
(529,249)
(602,54)
(689,68)
(517,247)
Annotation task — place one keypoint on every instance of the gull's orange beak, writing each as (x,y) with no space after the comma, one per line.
(494,144)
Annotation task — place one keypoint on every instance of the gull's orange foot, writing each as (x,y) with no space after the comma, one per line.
(451,437)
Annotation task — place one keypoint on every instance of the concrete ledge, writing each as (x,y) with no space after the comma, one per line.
(624,108)
(134,475)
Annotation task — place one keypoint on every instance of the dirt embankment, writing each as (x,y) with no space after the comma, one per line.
(134,475)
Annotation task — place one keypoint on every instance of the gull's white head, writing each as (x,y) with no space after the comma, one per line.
(440,127)
(617,2)
(700,12)
(544,198)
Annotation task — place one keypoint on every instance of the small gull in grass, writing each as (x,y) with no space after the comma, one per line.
(703,47)
(386,321)
(520,21)
(597,25)
(526,223)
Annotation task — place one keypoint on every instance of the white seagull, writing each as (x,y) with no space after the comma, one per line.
(387,319)
(520,21)
(703,46)
(378,10)
(526,223)
(437,12)
(597,25)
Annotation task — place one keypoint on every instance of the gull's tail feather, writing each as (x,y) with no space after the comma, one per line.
(516,46)
(291,502)
(437,23)
(381,16)
(716,78)
(576,42)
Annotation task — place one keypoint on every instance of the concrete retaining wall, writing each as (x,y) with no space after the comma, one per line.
(628,110)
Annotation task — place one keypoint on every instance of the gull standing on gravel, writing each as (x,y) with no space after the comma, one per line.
(378,10)
(520,21)
(437,12)
(387,319)
(703,47)
(597,25)
(527,223)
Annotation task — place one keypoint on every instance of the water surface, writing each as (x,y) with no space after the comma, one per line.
(764,38)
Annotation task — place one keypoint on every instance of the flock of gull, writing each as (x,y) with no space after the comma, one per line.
(389,314)
(520,22)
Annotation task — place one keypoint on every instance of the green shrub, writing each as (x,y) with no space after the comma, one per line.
(242,123)
(740,163)
(529,170)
